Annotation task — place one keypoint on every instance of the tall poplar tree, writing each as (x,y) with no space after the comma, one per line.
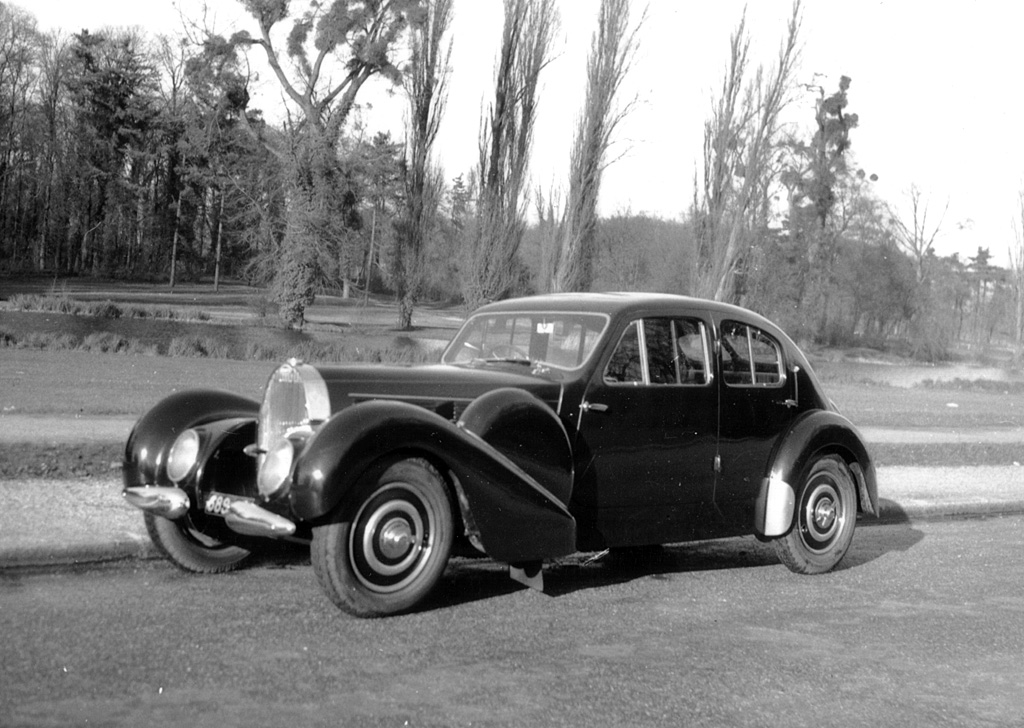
(493,267)
(611,53)
(426,87)
(740,138)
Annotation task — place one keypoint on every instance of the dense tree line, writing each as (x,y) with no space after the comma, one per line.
(139,158)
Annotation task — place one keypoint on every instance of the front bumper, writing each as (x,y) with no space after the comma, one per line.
(242,517)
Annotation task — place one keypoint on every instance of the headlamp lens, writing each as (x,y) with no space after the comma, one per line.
(183,456)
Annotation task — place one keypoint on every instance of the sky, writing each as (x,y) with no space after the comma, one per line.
(935,86)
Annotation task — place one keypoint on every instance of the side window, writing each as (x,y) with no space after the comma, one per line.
(661,355)
(673,349)
(766,358)
(692,357)
(625,365)
(749,356)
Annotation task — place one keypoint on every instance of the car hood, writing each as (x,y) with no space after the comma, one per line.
(442,388)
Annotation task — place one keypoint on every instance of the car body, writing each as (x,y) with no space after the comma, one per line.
(553,424)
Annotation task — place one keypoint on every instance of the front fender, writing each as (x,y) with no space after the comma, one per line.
(816,433)
(145,454)
(517,518)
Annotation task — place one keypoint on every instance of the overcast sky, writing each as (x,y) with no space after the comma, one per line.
(935,84)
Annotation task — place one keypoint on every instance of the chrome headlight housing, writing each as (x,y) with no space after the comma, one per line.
(276,469)
(183,455)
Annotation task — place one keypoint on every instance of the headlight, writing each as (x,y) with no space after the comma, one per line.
(276,468)
(183,456)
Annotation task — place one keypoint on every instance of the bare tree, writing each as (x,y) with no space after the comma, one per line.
(1017,279)
(506,137)
(426,87)
(739,140)
(916,236)
(612,50)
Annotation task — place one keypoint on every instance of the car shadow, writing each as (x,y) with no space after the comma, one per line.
(467,580)
(470,580)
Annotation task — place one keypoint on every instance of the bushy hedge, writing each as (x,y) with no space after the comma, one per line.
(102,309)
(207,347)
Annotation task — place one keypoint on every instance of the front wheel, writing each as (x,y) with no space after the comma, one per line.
(190,549)
(826,515)
(391,544)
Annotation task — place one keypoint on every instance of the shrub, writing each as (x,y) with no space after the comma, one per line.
(63,342)
(197,346)
(64,305)
(37,340)
(107,309)
(107,342)
(25,302)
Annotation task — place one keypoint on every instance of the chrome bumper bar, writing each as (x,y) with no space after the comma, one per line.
(159,500)
(242,517)
(251,520)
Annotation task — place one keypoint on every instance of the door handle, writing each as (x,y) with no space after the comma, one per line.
(593,407)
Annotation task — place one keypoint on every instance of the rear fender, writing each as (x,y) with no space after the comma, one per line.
(516,517)
(817,433)
(145,455)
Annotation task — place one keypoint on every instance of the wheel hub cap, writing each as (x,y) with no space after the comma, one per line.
(396,537)
(825,514)
(391,539)
(821,517)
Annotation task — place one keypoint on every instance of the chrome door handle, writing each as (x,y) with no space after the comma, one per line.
(593,407)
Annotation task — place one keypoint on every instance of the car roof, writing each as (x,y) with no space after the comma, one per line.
(617,303)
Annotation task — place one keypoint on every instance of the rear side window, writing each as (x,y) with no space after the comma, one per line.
(750,358)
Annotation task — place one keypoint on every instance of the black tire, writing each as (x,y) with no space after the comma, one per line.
(190,549)
(825,519)
(391,544)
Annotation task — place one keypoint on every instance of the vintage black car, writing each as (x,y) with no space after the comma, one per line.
(553,424)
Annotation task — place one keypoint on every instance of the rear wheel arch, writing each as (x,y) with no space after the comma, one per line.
(853,465)
(824,517)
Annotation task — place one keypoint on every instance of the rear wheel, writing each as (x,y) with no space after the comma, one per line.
(826,515)
(185,544)
(391,545)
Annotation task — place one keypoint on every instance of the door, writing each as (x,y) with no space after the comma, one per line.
(757,405)
(647,433)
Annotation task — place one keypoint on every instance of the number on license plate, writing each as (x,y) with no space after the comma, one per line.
(219,505)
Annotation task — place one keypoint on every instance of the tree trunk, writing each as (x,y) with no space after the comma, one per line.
(174,243)
(220,233)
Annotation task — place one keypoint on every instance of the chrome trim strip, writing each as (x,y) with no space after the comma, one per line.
(406,397)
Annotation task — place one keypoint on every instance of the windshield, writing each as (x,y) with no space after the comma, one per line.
(561,340)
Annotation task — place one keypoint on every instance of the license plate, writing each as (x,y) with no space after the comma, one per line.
(219,504)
